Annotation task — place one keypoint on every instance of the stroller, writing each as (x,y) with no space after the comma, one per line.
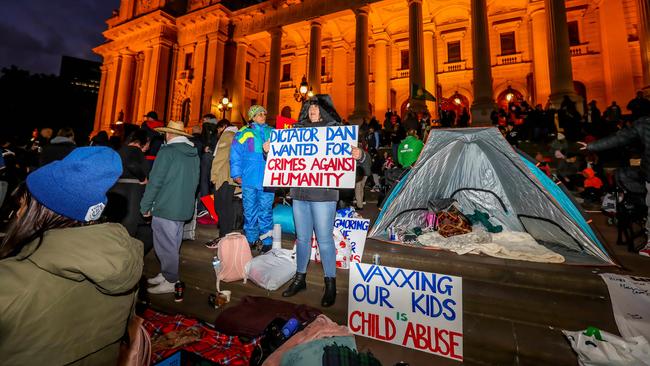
(626,206)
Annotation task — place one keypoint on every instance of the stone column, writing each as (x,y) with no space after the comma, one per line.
(99,109)
(313,77)
(340,77)
(540,56)
(483,103)
(157,79)
(200,58)
(273,87)
(144,83)
(619,78)
(213,73)
(217,84)
(381,76)
(643,7)
(239,83)
(110,94)
(430,68)
(125,87)
(559,56)
(416,53)
(361,85)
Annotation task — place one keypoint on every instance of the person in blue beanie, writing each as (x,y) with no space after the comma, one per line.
(68,282)
(169,198)
(247,161)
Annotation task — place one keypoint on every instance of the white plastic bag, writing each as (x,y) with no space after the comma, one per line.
(272,269)
(606,349)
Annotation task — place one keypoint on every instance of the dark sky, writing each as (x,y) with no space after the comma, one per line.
(34,34)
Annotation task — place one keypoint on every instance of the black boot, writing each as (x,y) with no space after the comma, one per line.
(329,297)
(298,284)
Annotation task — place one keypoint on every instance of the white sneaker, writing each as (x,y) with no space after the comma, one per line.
(156,280)
(165,287)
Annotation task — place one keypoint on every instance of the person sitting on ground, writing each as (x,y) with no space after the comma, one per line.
(59,147)
(512,134)
(68,282)
(592,185)
(568,171)
(409,149)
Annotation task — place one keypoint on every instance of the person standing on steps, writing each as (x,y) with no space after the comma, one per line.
(314,209)
(169,198)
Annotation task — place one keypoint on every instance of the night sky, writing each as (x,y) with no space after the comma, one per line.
(34,34)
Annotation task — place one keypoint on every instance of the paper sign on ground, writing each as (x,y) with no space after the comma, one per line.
(354,232)
(318,157)
(414,309)
(631,303)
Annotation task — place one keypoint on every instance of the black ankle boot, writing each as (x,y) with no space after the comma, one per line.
(298,284)
(329,297)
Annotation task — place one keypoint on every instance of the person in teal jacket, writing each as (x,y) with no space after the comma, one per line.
(247,161)
(169,198)
(409,149)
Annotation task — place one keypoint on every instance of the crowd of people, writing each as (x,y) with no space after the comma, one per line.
(72,200)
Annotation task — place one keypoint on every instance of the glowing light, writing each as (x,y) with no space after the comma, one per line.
(310,94)
(229,105)
(225,101)
(457,100)
(303,89)
(509,96)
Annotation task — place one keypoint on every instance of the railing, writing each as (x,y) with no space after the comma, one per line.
(579,50)
(454,66)
(324,79)
(509,59)
(251,86)
(186,74)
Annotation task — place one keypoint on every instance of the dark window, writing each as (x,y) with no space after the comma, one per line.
(286,72)
(453,51)
(185,111)
(322,66)
(248,71)
(508,46)
(404,57)
(188,61)
(574,33)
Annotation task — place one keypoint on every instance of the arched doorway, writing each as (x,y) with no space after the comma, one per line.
(185,111)
(581,90)
(507,96)
(286,112)
(451,107)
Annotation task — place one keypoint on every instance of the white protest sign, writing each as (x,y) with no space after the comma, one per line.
(355,232)
(414,309)
(631,303)
(319,157)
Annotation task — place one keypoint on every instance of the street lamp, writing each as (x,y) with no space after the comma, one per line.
(456,98)
(225,105)
(303,91)
(509,94)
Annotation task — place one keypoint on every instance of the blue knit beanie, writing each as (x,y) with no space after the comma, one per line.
(76,186)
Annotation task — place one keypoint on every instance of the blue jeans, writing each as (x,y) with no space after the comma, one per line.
(315,217)
(258,214)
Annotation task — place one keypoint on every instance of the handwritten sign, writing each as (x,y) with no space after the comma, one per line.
(319,157)
(354,232)
(630,297)
(414,309)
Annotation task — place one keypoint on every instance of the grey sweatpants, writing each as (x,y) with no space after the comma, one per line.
(167,238)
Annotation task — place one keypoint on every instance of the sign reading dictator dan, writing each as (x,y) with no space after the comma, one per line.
(413,309)
(312,157)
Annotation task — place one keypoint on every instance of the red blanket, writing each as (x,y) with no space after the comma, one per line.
(214,346)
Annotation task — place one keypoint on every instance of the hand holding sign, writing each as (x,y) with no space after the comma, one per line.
(318,157)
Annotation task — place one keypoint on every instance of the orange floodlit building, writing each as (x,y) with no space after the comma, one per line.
(180,58)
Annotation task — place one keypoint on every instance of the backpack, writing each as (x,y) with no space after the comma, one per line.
(234,253)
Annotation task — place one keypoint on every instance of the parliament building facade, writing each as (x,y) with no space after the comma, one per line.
(180,58)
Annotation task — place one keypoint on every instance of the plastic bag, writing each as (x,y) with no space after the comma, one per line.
(596,347)
(272,269)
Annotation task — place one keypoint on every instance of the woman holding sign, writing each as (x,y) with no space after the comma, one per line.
(314,209)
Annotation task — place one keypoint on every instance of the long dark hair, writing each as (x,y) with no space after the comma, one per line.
(31,221)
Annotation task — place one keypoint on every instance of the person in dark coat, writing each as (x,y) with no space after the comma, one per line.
(100,139)
(125,196)
(156,139)
(639,106)
(638,132)
(314,209)
(59,147)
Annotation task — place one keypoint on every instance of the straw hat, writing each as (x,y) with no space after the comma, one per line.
(176,127)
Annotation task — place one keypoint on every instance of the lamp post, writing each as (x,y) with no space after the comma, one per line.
(510,95)
(303,91)
(225,105)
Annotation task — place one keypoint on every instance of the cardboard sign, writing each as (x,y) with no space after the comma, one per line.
(284,122)
(630,303)
(354,232)
(342,246)
(414,309)
(318,157)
